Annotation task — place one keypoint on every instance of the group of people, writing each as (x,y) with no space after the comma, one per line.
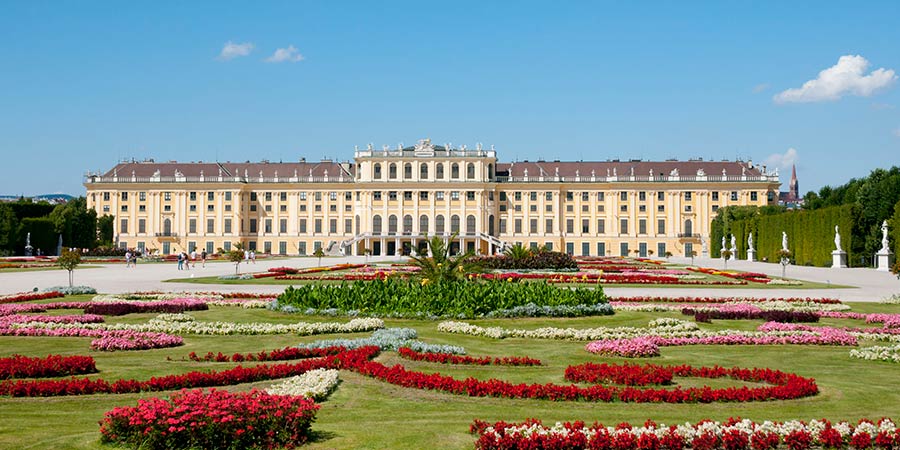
(186,261)
(131,258)
(249,256)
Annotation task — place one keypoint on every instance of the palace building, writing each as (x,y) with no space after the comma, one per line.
(387,202)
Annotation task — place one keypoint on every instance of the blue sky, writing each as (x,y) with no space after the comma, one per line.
(84,84)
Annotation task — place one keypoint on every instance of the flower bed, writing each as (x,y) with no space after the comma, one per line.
(29,296)
(163,306)
(734,434)
(387,339)
(212,420)
(106,340)
(640,347)
(624,374)
(750,312)
(448,358)
(457,299)
(824,301)
(29,318)
(878,353)
(787,386)
(284,354)
(316,384)
(18,366)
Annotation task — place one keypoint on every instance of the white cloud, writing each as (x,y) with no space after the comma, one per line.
(760,87)
(847,77)
(231,50)
(783,161)
(289,54)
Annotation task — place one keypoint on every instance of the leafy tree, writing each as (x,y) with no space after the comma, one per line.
(77,224)
(895,229)
(784,257)
(105,226)
(441,266)
(319,253)
(235,255)
(9,224)
(693,254)
(725,255)
(69,260)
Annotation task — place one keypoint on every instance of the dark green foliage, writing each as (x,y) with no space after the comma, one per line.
(441,266)
(43,235)
(536,260)
(454,299)
(9,226)
(24,208)
(895,228)
(105,226)
(77,224)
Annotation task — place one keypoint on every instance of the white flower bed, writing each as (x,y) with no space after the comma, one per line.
(316,384)
(163,325)
(769,305)
(388,339)
(878,353)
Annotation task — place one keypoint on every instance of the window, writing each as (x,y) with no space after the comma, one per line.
(166,208)
(585,248)
(623,226)
(123,226)
(301,248)
(570,248)
(601,249)
(517,196)
(660,196)
(688,196)
(642,226)
(439,171)
(688,227)
(210,196)
(332,196)
(302,207)
(533,196)
(548,196)
(268,196)
(570,208)
(584,196)
(282,196)
(167,196)
(517,227)
(268,208)
(454,195)
(601,226)
(601,208)
(253,196)
(142,226)
(253,225)
(303,225)
(348,226)
(142,196)
(548,226)
(642,196)
(227,246)
(407,195)
(377,171)
(282,208)
(661,226)
(715,196)
(267,247)
(533,226)
(623,208)
(228,196)
(734,196)
(548,207)
(470,195)
(282,248)
(623,196)
(392,225)
(376,195)
(106,196)
(642,208)
(192,196)
(124,196)
(210,207)
(282,226)
(317,226)
(407,171)
(623,249)
(192,226)
(332,226)
(502,226)
(660,208)
(600,196)
(661,249)
(454,171)
(318,196)
(570,196)
(423,171)
(124,208)
(303,196)
(407,224)
(392,195)
(439,195)
(753,196)
(423,224)
(470,171)
(454,224)
(439,225)
(227,226)
(142,208)
(211,226)
(570,226)
(348,196)
(585,226)
(423,195)
(470,225)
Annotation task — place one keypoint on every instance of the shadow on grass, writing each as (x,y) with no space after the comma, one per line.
(321,436)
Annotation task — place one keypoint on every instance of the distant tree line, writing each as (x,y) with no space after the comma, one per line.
(858,207)
(79,226)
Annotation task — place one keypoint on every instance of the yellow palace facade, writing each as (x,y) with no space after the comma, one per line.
(388,201)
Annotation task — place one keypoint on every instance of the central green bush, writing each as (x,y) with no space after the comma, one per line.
(457,298)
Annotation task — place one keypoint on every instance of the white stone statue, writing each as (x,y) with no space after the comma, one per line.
(733,246)
(723,242)
(750,242)
(837,239)
(784,242)
(884,238)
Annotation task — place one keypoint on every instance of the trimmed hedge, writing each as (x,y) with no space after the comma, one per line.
(456,299)
(537,260)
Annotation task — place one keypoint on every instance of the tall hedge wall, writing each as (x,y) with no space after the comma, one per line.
(43,235)
(810,235)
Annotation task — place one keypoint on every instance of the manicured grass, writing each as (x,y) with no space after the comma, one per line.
(367,413)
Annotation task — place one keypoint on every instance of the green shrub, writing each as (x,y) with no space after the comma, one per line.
(536,260)
(448,299)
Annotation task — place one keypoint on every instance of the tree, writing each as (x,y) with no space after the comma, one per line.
(69,260)
(693,254)
(725,255)
(650,252)
(8,226)
(319,253)
(784,257)
(77,224)
(441,266)
(105,226)
(235,255)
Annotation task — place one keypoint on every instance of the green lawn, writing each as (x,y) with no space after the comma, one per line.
(366,413)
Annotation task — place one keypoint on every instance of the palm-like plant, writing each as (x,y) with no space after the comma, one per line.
(442,266)
(517,252)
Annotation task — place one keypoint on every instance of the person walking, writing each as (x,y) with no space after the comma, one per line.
(253,256)
(181,261)
(203,256)
(128,259)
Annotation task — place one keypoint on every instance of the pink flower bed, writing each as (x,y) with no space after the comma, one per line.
(30,296)
(107,340)
(25,318)
(649,299)
(630,348)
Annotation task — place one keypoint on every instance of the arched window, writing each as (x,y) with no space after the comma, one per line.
(439,171)
(470,171)
(688,227)
(167,227)
(439,225)
(376,225)
(454,224)
(407,224)
(423,171)
(407,171)
(377,171)
(491,225)
(470,225)
(392,225)
(490,171)
(454,171)
(423,224)
(392,171)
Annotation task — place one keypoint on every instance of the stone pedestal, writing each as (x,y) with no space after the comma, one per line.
(838,259)
(751,255)
(885,259)
(733,256)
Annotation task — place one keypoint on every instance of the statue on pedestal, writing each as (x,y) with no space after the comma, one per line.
(885,245)
(837,239)
(750,242)
(784,241)
(29,250)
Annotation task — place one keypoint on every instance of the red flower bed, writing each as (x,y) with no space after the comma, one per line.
(447,358)
(768,316)
(212,420)
(625,374)
(18,366)
(30,296)
(284,354)
(608,278)
(787,386)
